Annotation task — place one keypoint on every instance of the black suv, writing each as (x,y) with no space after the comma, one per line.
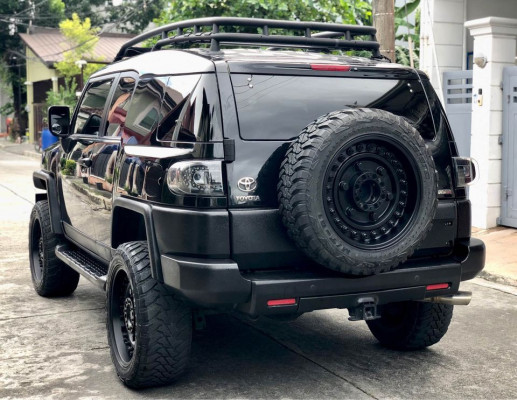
(270,182)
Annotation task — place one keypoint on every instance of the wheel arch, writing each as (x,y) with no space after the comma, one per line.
(133,221)
(43,180)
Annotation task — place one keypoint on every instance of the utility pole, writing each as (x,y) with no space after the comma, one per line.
(384,21)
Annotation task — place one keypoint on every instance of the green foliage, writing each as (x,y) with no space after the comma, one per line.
(69,167)
(7,109)
(81,38)
(401,20)
(65,96)
(351,11)
(134,16)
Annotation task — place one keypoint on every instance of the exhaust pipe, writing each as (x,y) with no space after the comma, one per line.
(458,299)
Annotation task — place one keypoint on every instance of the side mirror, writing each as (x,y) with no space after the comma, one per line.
(59,120)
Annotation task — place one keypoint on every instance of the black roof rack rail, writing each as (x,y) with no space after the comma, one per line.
(329,36)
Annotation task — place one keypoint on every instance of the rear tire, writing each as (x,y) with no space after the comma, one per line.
(50,276)
(149,329)
(411,325)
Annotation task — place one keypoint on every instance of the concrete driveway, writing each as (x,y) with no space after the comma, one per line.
(57,348)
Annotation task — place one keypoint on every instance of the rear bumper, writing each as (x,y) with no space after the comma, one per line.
(219,283)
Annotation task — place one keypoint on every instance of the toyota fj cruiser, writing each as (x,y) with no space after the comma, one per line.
(201,173)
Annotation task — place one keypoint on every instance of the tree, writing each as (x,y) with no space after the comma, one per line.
(81,39)
(343,11)
(12,59)
(134,16)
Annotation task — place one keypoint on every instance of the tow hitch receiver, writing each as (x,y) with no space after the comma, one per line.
(366,310)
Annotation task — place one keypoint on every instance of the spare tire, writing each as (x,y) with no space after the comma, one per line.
(357,190)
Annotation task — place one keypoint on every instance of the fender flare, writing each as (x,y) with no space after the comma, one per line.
(45,181)
(146,211)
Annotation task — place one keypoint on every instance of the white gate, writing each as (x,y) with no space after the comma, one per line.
(509,159)
(457,95)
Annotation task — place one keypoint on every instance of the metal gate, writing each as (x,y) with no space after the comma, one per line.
(509,156)
(457,95)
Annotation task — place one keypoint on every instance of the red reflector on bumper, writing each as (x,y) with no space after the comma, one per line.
(437,286)
(329,67)
(281,302)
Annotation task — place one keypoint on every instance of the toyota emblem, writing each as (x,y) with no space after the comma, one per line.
(247,184)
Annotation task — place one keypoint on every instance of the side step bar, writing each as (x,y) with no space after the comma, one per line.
(83,263)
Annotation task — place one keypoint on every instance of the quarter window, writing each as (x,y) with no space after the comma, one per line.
(190,110)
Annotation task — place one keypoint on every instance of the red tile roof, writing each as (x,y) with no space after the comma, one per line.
(49,45)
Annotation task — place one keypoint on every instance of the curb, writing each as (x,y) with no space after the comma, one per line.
(503,280)
(32,154)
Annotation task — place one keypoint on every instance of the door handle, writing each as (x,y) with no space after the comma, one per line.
(85,162)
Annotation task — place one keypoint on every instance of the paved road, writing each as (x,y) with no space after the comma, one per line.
(57,348)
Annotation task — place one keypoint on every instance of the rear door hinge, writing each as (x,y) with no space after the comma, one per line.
(508,191)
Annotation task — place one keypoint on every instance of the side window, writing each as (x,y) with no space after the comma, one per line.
(190,109)
(144,112)
(119,106)
(89,116)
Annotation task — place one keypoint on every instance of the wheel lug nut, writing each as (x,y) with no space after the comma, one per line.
(348,211)
(358,166)
(380,171)
(343,185)
(389,195)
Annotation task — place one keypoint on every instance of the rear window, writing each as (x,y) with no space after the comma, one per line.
(278,107)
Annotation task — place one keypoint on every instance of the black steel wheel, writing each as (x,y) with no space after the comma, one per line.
(357,190)
(50,276)
(411,325)
(149,329)
(123,317)
(371,192)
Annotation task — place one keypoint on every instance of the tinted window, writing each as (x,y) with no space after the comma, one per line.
(144,112)
(190,109)
(119,106)
(279,107)
(89,116)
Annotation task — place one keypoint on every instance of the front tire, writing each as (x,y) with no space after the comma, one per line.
(411,325)
(50,276)
(149,329)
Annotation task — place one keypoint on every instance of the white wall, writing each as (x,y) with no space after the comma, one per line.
(485,8)
(442,37)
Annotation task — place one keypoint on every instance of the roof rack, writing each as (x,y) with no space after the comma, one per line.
(328,37)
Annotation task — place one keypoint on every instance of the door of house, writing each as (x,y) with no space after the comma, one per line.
(457,95)
(509,156)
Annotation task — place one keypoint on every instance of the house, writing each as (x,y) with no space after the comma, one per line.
(468,48)
(43,48)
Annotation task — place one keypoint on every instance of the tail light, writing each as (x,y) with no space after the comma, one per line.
(465,171)
(204,178)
